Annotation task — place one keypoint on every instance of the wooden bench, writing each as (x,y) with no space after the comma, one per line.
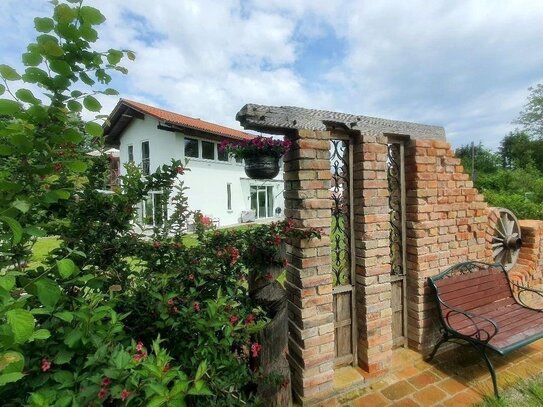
(478,303)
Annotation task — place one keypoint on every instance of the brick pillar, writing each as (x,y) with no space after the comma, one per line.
(309,277)
(372,242)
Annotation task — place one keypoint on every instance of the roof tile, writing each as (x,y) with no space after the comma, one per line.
(185,121)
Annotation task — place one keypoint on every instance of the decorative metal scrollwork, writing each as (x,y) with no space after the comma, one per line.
(394,173)
(340,228)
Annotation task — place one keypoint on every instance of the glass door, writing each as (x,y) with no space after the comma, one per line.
(262,201)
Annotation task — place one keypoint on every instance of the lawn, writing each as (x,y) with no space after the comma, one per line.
(525,393)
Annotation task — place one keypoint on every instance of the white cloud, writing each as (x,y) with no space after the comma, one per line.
(465,65)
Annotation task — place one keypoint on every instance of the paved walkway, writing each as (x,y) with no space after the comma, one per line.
(457,378)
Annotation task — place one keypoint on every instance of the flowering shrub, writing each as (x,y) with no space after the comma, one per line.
(111,317)
(255,147)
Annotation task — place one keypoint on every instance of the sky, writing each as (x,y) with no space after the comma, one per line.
(465,65)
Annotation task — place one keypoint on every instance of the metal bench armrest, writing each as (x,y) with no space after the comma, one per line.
(522,290)
(479,334)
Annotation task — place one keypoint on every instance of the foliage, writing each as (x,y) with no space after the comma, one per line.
(111,316)
(531,117)
(255,147)
(482,159)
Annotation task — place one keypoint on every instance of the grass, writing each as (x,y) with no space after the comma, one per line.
(525,393)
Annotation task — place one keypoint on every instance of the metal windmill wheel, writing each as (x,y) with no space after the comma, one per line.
(506,241)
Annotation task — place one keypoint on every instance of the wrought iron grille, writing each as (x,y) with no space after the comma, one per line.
(340,228)
(394,176)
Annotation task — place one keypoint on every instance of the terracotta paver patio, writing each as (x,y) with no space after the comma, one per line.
(455,378)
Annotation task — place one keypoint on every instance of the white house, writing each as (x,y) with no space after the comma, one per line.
(218,186)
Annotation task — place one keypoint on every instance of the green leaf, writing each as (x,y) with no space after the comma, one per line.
(48,292)
(65,316)
(131,55)
(41,334)
(10,378)
(94,129)
(2,89)
(16,228)
(8,73)
(66,268)
(86,79)
(44,25)
(91,15)
(8,107)
(92,104)
(22,206)
(88,33)
(7,282)
(200,389)
(64,377)
(51,48)
(76,166)
(64,13)
(11,362)
(111,92)
(63,356)
(60,67)
(76,93)
(34,75)
(114,56)
(74,106)
(72,136)
(21,323)
(35,231)
(201,370)
(73,337)
(27,96)
(31,59)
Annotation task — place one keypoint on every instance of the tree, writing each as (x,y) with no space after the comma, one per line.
(531,117)
(516,150)
(485,161)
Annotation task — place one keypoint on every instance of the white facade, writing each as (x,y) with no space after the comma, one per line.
(219,189)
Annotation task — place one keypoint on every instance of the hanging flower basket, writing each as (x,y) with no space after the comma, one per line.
(261,155)
(262,167)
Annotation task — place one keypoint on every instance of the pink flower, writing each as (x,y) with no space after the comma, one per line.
(180,169)
(277,240)
(249,319)
(285,263)
(234,319)
(268,276)
(255,349)
(102,393)
(106,381)
(139,356)
(191,277)
(139,346)
(234,255)
(196,306)
(125,394)
(45,364)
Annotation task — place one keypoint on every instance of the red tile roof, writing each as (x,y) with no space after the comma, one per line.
(185,121)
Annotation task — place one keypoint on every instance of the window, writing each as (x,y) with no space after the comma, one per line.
(130,154)
(229,196)
(221,155)
(145,158)
(154,209)
(262,201)
(191,148)
(208,150)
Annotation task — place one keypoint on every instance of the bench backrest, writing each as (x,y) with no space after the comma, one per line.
(473,286)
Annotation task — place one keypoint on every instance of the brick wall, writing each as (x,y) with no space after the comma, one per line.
(372,250)
(447,223)
(309,279)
